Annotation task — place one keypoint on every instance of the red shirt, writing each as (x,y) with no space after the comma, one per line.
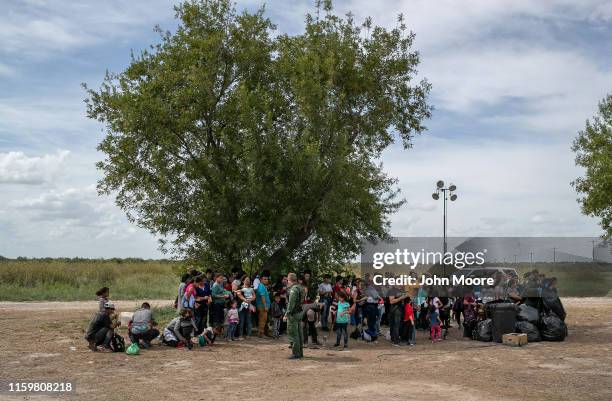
(408,312)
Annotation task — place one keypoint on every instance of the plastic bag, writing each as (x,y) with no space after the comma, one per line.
(552,328)
(528,314)
(533,334)
(552,303)
(484,331)
(133,349)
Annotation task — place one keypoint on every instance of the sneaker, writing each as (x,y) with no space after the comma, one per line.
(294,357)
(395,344)
(92,346)
(337,345)
(146,345)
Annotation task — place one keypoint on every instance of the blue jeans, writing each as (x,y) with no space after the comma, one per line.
(357,316)
(341,330)
(245,322)
(379,314)
(371,312)
(231,331)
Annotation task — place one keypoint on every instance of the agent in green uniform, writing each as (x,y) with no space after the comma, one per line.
(294,315)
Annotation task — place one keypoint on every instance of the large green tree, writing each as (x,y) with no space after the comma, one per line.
(593,148)
(243,147)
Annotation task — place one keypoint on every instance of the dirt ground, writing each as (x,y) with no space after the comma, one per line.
(43,341)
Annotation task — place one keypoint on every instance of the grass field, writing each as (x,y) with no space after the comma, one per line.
(69,280)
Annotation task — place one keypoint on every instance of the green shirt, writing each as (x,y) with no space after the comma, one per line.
(218,293)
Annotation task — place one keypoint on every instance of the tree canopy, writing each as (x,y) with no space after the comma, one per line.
(243,147)
(593,147)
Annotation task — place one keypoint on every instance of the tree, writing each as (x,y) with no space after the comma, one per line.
(244,149)
(593,148)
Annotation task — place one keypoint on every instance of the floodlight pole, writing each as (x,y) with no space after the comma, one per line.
(446,191)
(444,245)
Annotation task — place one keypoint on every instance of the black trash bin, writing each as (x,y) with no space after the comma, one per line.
(503,316)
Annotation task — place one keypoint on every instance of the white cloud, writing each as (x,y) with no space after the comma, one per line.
(17,168)
(505,188)
(74,214)
(39,28)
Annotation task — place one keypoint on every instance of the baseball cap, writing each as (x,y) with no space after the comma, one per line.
(109,305)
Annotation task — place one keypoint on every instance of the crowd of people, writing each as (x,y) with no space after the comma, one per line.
(237,306)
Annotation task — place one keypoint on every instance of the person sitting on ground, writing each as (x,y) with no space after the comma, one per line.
(209,334)
(142,326)
(101,329)
(102,294)
(180,330)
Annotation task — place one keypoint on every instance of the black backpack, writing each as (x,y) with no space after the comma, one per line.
(117,344)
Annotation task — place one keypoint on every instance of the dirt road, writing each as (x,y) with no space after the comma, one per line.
(44,341)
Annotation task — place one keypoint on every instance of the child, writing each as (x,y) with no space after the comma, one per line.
(434,323)
(232,321)
(277,312)
(207,338)
(409,321)
(342,319)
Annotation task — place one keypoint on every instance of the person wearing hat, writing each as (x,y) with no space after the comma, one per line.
(101,329)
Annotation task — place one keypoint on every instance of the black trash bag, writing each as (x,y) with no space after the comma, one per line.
(552,303)
(484,331)
(528,314)
(533,334)
(552,328)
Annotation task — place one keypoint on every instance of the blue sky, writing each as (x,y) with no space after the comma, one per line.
(513,83)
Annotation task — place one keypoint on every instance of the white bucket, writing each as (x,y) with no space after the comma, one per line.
(125,317)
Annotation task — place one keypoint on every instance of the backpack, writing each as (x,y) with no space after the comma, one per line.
(117,343)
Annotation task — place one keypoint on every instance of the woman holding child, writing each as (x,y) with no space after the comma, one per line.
(246,295)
